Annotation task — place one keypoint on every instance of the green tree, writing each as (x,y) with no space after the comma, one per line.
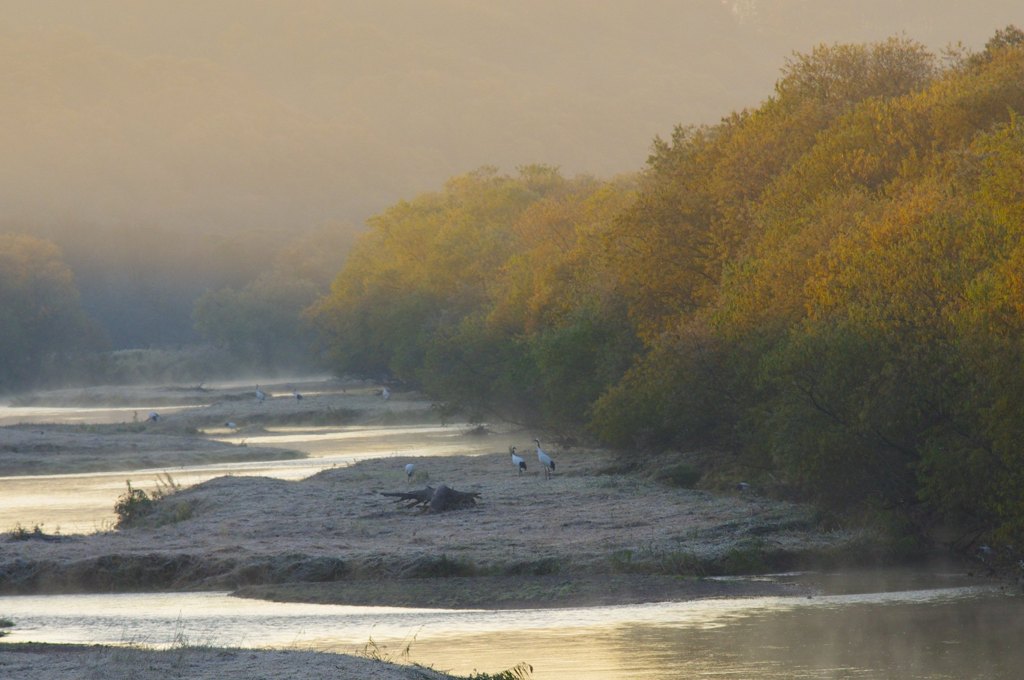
(261,324)
(41,321)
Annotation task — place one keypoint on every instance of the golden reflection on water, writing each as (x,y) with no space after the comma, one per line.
(942,633)
(82,503)
(300,435)
(13,415)
(955,633)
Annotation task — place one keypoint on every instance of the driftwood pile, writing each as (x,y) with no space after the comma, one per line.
(429,499)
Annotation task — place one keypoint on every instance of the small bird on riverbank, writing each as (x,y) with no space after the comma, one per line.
(545,460)
(260,395)
(518,462)
(153,417)
(410,469)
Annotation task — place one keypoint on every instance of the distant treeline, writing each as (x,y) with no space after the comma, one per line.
(831,285)
(50,334)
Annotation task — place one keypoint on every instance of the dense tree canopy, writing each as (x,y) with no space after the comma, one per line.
(40,316)
(828,286)
(262,323)
(491,294)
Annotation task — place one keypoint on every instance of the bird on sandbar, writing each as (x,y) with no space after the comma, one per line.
(298,395)
(153,417)
(545,460)
(260,394)
(518,462)
(410,468)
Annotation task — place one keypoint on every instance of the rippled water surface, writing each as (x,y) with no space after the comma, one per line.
(958,632)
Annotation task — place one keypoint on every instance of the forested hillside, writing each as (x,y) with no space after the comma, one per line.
(828,287)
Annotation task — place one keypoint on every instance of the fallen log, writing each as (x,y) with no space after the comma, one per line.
(441,499)
(412,498)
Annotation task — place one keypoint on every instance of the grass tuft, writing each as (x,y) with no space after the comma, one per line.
(135,504)
(376,651)
(521,671)
(20,533)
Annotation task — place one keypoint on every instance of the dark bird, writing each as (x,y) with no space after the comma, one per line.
(517,461)
(153,417)
(545,460)
(298,395)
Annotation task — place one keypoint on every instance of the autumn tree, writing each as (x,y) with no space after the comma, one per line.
(489,294)
(825,289)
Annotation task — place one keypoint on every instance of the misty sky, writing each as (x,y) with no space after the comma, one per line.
(227,115)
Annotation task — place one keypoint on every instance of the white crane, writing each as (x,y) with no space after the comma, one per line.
(517,461)
(260,395)
(545,460)
(410,468)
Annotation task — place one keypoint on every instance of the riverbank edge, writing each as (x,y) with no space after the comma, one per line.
(46,661)
(559,591)
(436,582)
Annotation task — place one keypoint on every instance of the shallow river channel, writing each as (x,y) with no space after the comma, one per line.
(893,624)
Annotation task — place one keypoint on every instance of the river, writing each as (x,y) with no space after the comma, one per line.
(896,624)
(84,502)
(937,632)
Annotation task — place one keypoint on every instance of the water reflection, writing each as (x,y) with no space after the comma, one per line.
(897,636)
(940,633)
(84,502)
(345,445)
(75,415)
